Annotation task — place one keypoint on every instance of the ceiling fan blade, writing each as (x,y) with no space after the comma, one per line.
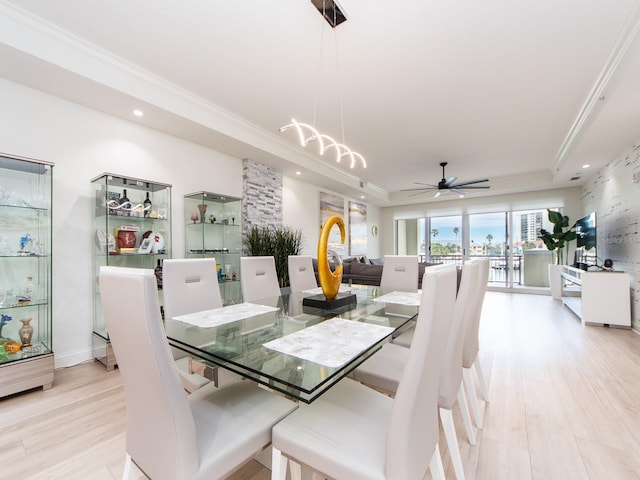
(423,189)
(427,184)
(470,182)
(415,194)
(449,181)
(448,184)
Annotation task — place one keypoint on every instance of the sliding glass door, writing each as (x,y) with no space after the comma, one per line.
(509,239)
(445,239)
(533,256)
(488,235)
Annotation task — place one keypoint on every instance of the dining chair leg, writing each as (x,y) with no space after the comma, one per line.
(473,398)
(296,470)
(435,465)
(446,417)
(130,471)
(464,411)
(278,465)
(483,385)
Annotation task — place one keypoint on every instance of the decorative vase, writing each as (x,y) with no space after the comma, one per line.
(203,209)
(194,215)
(555,281)
(25,332)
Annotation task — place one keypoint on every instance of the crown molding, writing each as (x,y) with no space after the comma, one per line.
(598,94)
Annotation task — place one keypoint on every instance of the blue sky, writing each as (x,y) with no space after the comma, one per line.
(481,226)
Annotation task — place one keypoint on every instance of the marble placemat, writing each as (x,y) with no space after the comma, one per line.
(401,298)
(331,343)
(222,315)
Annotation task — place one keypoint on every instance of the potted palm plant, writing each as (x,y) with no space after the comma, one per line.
(557,241)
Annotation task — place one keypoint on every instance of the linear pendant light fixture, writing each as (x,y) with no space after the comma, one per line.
(334,15)
(306,134)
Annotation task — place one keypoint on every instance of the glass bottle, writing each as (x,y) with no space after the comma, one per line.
(147,206)
(28,291)
(125,204)
(158,273)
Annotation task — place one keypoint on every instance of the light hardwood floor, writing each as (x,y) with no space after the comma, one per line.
(564,405)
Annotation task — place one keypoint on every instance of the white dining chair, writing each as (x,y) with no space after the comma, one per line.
(384,370)
(399,273)
(451,388)
(301,275)
(169,435)
(472,347)
(404,339)
(354,432)
(258,278)
(190,285)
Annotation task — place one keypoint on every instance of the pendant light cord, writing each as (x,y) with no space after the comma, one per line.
(319,75)
(338,82)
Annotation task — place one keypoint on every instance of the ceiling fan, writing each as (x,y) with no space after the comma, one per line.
(448,184)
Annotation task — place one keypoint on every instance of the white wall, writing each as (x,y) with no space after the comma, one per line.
(83,144)
(615,198)
(301,210)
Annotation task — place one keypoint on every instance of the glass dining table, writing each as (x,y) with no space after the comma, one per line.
(291,348)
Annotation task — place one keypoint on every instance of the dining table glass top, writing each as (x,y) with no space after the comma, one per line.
(297,350)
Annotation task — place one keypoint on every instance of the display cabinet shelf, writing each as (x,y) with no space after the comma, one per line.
(26,356)
(132,228)
(214,230)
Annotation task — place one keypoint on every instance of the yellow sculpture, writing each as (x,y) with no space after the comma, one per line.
(329,281)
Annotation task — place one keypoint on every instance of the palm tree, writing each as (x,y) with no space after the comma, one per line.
(434,233)
(456,231)
(489,239)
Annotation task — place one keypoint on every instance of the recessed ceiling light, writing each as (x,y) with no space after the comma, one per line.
(298,172)
(138,113)
(362,197)
(586,165)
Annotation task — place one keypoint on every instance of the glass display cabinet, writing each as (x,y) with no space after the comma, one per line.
(131,228)
(214,229)
(26,356)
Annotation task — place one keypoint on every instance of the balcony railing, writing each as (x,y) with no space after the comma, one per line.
(498,266)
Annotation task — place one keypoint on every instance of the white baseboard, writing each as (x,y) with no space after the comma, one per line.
(73,358)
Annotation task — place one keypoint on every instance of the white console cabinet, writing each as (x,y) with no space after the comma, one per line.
(604,297)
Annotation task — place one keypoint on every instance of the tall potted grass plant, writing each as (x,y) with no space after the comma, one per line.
(276,241)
